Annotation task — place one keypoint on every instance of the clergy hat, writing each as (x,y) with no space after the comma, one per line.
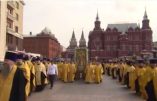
(153,61)
(140,61)
(33,59)
(25,57)
(44,59)
(20,56)
(10,55)
(38,58)
(48,59)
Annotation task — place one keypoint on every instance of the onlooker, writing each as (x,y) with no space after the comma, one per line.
(52,72)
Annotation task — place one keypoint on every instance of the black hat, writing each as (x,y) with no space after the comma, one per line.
(25,57)
(153,61)
(44,59)
(140,61)
(48,59)
(38,58)
(11,55)
(33,59)
(20,56)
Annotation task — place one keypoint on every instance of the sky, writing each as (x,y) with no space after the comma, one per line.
(62,16)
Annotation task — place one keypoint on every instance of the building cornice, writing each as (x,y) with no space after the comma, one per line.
(22,2)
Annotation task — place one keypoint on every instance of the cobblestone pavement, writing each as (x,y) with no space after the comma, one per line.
(108,90)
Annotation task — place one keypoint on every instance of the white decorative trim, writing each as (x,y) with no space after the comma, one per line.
(10,31)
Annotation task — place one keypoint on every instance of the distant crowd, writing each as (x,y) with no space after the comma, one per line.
(21,74)
(139,76)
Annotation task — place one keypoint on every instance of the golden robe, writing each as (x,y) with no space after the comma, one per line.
(32,75)
(155,81)
(98,73)
(60,70)
(72,71)
(38,70)
(131,77)
(26,71)
(6,85)
(65,72)
(89,71)
(142,83)
(27,75)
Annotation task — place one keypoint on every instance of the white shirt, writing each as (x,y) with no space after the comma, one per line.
(52,70)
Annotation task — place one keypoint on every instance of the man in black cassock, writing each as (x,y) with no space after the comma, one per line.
(150,86)
(12,80)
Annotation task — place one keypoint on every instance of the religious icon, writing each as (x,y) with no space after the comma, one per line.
(81,58)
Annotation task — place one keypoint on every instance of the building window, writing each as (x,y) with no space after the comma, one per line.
(10,11)
(9,24)
(17,41)
(10,39)
(115,48)
(114,38)
(7,39)
(108,38)
(108,48)
(17,5)
(16,29)
(17,16)
(130,48)
(123,47)
(137,38)
(137,48)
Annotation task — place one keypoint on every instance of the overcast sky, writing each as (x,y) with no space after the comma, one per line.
(62,16)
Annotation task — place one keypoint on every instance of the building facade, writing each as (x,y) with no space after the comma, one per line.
(11,24)
(118,40)
(44,43)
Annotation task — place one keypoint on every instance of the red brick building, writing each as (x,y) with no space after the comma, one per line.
(43,43)
(125,39)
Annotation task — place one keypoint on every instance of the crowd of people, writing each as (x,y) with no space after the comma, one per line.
(139,76)
(92,73)
(21,74)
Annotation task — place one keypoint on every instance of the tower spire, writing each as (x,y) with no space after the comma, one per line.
(145,15)
(145,21)
(82,42)
(82,36)
(73,42)
(73,35)
(97,22)
(97,16)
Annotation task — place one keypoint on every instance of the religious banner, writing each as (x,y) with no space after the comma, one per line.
(81,57)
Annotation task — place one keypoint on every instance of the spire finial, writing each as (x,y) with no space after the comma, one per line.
(73,31)
(82,30)
(82,36)
(97,17)
(82,42)
(73,42)
(73,34)
(145,14)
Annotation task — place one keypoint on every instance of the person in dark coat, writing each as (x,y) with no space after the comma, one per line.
(150,86)
(12,80)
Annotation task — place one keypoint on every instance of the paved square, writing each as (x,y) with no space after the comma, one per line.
(109,90)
